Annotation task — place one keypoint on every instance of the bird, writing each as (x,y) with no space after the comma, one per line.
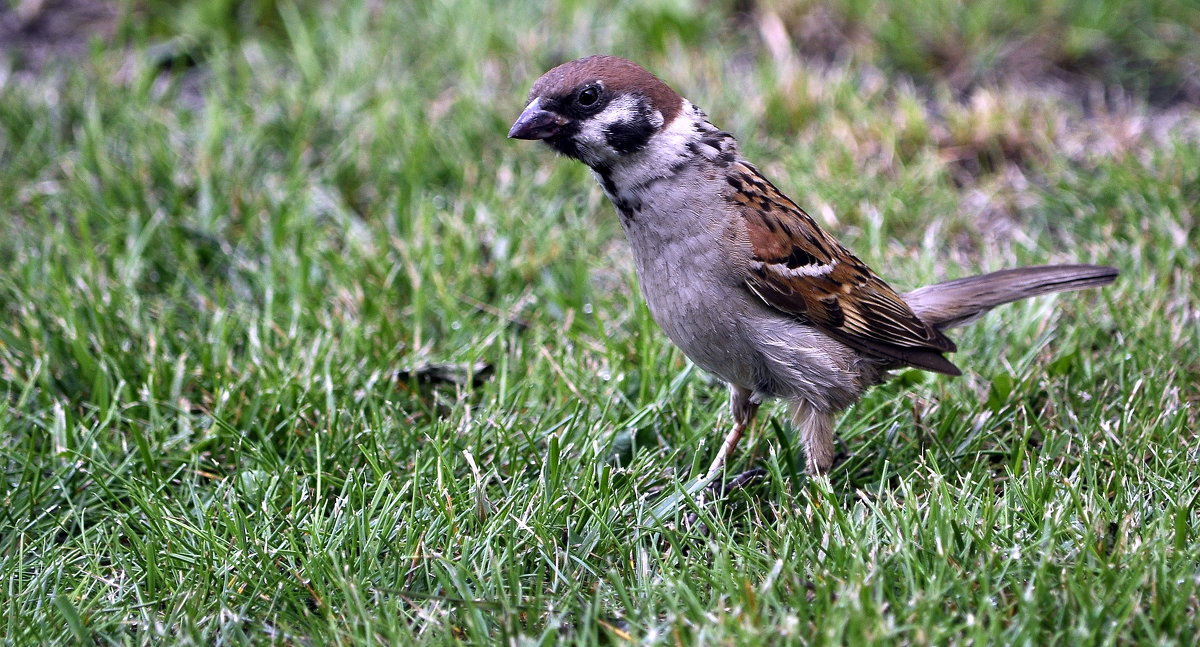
(737,274)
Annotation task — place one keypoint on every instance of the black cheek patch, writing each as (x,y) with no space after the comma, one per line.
(629,136)
(632,135)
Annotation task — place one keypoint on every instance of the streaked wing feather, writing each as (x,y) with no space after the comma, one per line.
(799,269)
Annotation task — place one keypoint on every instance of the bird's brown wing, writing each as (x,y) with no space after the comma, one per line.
(799,269)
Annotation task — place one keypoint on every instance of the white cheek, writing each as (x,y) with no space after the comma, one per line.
(656,120)
(593,145)
(667,148)
(623,108)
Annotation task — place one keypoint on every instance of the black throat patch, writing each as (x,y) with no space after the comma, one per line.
(564,141)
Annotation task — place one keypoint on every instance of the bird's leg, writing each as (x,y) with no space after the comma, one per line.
(744,407)
(816,434)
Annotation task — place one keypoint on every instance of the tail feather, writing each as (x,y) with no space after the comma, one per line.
(959,302)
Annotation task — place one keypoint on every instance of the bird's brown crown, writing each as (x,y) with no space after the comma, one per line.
(616,74)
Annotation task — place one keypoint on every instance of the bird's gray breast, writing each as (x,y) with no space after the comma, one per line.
(691,258)
(681,244)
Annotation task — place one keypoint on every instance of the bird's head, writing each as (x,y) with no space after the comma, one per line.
(598,109)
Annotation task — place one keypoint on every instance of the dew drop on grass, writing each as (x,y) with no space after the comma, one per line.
(587,308)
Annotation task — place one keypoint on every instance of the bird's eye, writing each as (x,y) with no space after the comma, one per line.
(588,96)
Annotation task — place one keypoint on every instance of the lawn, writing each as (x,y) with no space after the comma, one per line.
(297,348)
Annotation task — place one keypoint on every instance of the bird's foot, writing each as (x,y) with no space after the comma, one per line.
(745,479)
(719,489)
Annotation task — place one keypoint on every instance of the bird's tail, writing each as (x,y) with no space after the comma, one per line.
(962,301)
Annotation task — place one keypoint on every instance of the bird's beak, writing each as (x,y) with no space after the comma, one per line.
(536,123)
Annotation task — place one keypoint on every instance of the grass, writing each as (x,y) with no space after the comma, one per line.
(211,275)
(1147,45)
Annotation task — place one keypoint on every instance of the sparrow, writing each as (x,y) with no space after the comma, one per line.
(736,274)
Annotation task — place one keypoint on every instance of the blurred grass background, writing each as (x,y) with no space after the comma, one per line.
(297,348)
